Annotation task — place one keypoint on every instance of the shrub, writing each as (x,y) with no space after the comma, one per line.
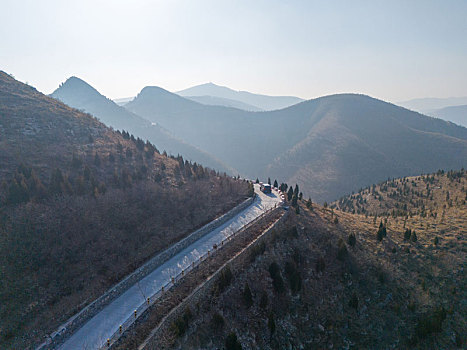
(407,234)
(271,323)
(381,276)
(352,240)
(277,280)
(257,250)
(247,297)
(232,343)
(289,194)
(296,256)
(458,340)
(293,275)
(180,325)
(413,237)
(251,190)
(224,280)
(320,264)
(263,302)
(294,201)
(353,302)
(336,220)
(381,232)
(436,241)
(341,250)
(217,321)
(430,323)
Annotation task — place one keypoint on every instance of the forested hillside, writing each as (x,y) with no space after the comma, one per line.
(81,206)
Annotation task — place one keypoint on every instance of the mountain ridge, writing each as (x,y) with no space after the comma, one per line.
(336,133)
(263,102)
(79,94)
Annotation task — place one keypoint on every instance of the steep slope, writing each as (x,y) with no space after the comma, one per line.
(264,102)
(81,206)
(331,145)
(78,94)
(328,282)
(455,114)
(360,140)
(226,102)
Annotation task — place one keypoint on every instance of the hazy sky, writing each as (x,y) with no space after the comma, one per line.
(394,50)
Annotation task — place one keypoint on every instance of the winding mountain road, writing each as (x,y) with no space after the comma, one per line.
(95,332)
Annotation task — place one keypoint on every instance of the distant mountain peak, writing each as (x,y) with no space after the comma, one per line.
(75,81)
(75,85)
(258,101)
(151,90)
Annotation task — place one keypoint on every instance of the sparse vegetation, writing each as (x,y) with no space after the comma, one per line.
(430,323)
(277,281)
(217,321)
(293,275)
(391,285)
(247,297)
(232,343)
(341,250)
(180,325)
(224,280)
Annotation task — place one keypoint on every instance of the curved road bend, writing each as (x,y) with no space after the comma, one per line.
(94,333)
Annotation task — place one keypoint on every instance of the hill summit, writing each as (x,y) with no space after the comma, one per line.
(257,101)
(331,145)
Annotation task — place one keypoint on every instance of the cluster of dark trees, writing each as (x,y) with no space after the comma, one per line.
(410,235)
(382,232)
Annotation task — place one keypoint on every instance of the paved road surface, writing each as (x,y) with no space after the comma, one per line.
(95,332)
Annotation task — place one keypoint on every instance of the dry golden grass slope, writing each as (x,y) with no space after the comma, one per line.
(345,293)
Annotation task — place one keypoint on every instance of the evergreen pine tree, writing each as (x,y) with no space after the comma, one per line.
(263,303)
(271,323)
(290,194)
(56,181)
(97,160)
(247,297)
(231,342)
(407,234)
